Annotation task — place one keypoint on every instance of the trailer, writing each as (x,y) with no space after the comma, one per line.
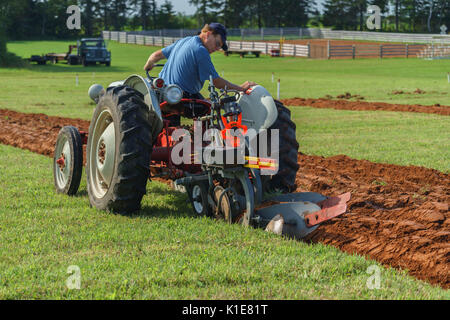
(243,53)
(53,57)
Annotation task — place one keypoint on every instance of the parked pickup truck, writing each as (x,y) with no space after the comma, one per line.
(89,51)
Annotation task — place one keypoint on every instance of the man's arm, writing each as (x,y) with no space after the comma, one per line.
(154,58)
(221,83)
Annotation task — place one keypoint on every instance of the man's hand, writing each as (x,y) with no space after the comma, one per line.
(222,83)
(148,66)
(247,84)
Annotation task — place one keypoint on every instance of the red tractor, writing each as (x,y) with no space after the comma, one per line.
(237,150)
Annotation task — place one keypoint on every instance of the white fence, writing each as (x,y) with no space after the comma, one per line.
(264,47)
(297,33)
(310,50)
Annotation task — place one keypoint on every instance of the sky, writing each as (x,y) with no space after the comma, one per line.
(184,6)
(180,6)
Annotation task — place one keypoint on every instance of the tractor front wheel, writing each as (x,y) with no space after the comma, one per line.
(119,151)
(68,161)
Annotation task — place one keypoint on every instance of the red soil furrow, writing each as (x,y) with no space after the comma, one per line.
(398,215)
(364,105)
(34,132)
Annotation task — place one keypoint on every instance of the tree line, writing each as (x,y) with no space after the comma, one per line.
(425,16)
(40,19)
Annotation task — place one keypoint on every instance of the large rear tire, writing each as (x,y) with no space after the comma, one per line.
(284,179)
(119,151)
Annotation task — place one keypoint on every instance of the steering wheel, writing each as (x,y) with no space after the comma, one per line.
(155,65)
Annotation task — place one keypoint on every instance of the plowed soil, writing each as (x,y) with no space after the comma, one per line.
(398,215)
(363,105)
(34,132)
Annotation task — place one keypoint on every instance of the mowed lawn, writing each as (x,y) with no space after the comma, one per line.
(165,252)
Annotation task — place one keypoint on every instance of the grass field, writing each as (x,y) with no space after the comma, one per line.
(165,252)
(374,79)
(420,139)
(403,138)
(162,253)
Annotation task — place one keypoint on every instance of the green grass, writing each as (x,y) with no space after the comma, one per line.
(403,138)
(162,253)
(374,79)
(411,139)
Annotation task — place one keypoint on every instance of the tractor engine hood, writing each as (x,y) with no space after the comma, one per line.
(258,108)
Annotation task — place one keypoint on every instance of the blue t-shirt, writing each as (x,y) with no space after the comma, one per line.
(188,64)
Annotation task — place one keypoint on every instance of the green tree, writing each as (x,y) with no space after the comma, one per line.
(166,16)
(9,10)
(88,16)
(118,13)
(142,7)
(209,10)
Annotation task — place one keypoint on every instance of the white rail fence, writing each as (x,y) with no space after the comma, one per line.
(264,47)
(298,33)
(329,52)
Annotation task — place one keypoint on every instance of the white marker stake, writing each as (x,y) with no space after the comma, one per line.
(76,80)
(272,78)
(278,89)
(448,77)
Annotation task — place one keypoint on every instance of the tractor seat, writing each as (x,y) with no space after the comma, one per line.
(188,108)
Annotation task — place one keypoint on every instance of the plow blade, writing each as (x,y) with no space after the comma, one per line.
(299,214)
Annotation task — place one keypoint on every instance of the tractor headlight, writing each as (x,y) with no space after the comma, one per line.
(173,94)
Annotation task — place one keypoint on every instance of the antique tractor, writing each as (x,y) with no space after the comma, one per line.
(227,173)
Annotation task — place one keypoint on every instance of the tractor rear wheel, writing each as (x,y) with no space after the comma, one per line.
(68,161)
(119,151)
(284,179)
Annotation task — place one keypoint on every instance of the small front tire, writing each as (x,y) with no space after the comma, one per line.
(68,161)
(198,195)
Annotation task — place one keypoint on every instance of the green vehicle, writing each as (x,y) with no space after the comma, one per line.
(90,51)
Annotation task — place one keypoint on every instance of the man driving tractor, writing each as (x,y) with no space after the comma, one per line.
(189,63)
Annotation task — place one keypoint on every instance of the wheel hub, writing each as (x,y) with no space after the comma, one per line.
(63,162)
(105,154)
(197,198)
(101,154)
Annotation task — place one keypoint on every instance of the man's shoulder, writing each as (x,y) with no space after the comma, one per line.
(195,43)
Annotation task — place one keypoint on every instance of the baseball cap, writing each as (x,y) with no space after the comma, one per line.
(220,29)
